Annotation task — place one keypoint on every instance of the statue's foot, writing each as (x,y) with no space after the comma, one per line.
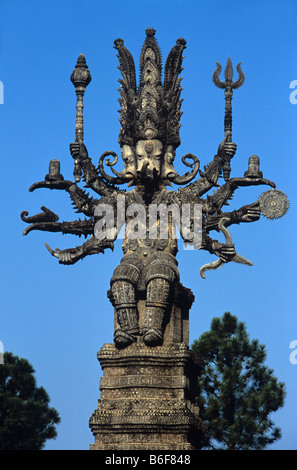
(123,339)
(153,337)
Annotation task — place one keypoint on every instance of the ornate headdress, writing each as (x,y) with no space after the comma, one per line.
(152,110)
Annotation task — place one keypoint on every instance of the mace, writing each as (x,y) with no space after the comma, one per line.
(80,78)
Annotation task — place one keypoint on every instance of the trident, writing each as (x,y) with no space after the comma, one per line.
(228,85)
(80,78)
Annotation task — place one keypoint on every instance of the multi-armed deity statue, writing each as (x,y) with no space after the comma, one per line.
(149,136)
(149,381)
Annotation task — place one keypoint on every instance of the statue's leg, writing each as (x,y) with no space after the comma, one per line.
(161,275)
(157,301)
(126,310)
(123,295)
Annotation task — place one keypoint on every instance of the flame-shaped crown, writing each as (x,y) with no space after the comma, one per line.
(151,111)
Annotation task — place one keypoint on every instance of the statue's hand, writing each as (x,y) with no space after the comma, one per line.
(78,151)
(65,257)
(226,253)
(69,256)
(246,181)
(230,149)
(226,148)
(251,212)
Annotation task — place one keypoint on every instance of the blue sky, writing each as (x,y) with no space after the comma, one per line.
(57,316)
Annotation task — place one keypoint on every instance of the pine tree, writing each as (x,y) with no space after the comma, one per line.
(26,421)
(237,391)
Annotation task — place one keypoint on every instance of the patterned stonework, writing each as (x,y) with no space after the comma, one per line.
(147,399)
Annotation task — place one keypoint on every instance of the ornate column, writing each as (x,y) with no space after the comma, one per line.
(147,393)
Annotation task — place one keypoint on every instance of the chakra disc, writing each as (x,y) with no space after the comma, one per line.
(273,204)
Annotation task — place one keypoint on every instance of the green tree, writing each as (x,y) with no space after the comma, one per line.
(237,392)
(26,421)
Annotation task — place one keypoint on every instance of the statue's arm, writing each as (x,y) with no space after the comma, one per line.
(90,247)
(90,174)
(97,243)
(55,180)
(209,177)
(81,200)
(225,192)
(219,222)
(248,213)
(103,228)
(225,252)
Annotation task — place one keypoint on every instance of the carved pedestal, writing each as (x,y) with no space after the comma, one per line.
(147,393)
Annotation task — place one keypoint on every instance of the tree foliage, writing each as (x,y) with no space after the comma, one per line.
(26,420)
(237,391)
